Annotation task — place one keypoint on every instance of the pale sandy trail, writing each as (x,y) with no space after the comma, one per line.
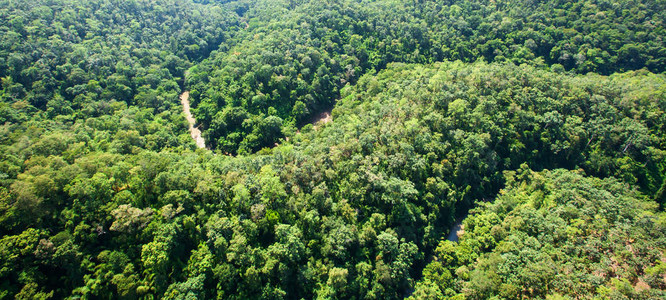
(194,132)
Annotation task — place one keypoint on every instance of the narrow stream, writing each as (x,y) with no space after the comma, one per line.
(456,231)
(194,131)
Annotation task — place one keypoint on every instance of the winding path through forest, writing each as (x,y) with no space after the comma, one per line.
(194,131)
(319,119)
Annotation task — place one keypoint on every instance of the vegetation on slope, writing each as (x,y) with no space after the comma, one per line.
(102,72)
(352,209)
(102,194)
(554,233)
(293,57)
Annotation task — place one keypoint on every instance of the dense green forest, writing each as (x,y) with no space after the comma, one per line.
(545,120)
(292,60)
(554,233)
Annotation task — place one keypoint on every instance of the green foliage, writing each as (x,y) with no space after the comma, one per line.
(103,196)
(295,56)
(592,232)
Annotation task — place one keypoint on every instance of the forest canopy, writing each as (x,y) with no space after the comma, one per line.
(537,125)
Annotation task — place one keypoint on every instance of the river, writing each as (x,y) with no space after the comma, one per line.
(321,118)
(194,131)
(317,120)
(455,232)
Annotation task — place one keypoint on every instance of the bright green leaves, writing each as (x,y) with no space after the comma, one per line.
(16,247)
(155,257)
(272,188)
(573,246)
(289,247)
(392,263)
(130,219)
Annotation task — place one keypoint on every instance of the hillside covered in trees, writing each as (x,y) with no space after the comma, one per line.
(542,124)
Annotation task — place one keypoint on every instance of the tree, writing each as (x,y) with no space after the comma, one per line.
(130,219)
